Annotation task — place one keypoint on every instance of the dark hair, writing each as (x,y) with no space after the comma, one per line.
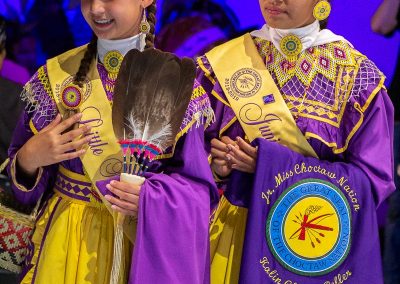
(151,18)
(87,59)
(91,50)
(2,34)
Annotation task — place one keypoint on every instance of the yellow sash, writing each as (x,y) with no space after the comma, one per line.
(103,157)
(253,95)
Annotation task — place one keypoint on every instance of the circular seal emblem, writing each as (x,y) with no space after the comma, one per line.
(309,228)
(245,82)
(291,45)
(112,61)
(71,97)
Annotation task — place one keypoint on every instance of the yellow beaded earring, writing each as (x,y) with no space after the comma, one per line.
(144,24)
(322,10)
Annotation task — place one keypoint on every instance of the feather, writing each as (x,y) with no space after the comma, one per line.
(152,93)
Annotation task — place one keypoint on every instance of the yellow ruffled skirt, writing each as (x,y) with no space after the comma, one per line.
(73,243)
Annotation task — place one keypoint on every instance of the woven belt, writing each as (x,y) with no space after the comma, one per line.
(75,187)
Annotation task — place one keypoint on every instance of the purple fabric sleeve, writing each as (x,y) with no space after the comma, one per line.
(101,185)
(22,134)
(371,147)
(172,243)
(40,109)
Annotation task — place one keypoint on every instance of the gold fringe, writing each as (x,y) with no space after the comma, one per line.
(4,165)
(118,268)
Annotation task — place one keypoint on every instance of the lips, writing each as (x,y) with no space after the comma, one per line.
(274,11)
(102,22)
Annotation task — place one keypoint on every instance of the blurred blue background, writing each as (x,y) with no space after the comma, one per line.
(38,18)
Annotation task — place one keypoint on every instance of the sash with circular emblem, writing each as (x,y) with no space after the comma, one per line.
(244,83)
(308,229)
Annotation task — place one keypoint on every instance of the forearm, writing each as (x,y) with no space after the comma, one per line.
(27,187)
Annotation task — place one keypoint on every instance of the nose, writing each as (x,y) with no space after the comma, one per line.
(97,7)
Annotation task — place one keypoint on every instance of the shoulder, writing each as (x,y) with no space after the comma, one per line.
(353,82)
(38,99)
(72,53)
(199,110)
(367,81)
(204,63)
(207,78)
(205,70)
(349,71)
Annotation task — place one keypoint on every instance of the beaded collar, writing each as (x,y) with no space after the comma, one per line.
(292,42)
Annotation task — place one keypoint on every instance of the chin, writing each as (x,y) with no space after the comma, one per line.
(282,25)
(276,25)
(104,36)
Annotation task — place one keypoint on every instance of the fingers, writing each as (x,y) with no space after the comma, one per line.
(126,187)
(71,135)
(221,171)
(220,162)
(243,168)
(246,147)
(69,156)
(121,203)
(240,155)
(228,154)
(219,145)
(218,154)
(52,124)
(75,145)
(126,199)
(67,123)
(227,140)
(240,165)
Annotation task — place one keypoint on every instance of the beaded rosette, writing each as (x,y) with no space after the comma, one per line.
(112,62)
(72,96)
(291,45)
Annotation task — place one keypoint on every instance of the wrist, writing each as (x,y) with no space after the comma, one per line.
(27,166)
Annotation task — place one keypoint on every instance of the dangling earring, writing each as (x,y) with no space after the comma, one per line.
(322,10)
(144,24)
